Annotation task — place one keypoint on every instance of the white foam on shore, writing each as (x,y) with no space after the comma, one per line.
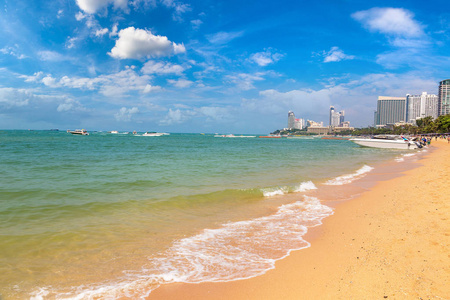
(302,187)
(237,250)
(270,192)
(345,179)
(402,158)
(305,186)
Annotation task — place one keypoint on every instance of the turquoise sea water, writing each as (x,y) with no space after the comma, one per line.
(119,214)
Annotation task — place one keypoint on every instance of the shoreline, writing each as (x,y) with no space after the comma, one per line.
(391,241)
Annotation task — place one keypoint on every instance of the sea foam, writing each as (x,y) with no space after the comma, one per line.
(345,179)
(236,250)
(302,187)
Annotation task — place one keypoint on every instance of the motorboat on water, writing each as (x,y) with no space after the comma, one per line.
(79,132)
(155,134)
(388,142)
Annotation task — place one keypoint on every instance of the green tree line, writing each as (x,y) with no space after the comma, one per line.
(423,126)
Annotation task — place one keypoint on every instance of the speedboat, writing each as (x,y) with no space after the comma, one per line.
(79,132)
(388,142)
(154,133)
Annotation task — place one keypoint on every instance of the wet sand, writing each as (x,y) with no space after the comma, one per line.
(391,242)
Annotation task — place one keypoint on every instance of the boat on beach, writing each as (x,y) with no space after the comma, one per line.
(388,142)
(78,132)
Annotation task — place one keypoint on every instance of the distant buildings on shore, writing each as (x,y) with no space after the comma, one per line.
(337,123)
(407,110)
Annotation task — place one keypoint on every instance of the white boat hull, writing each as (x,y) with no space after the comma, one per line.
(386,144)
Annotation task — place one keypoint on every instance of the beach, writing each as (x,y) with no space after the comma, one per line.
(390,242)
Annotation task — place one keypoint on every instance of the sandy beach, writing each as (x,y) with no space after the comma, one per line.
(391,242)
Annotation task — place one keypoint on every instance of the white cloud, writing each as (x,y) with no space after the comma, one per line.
(13,51)
(265,58)
(179,8)
(180,83)
(93,6)
(10,97)
(101,32)
(336,54)
(151,88)
(51,56)
(50,81)
(196,24)
(245,81)
(114,30)
(125,114)
(138,43)
(70,105)
(390,21)
(71,42)
(174,117)
(222,38)
(112,85)
(161,68)
(34,78)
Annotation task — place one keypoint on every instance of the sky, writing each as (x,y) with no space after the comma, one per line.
(213,66)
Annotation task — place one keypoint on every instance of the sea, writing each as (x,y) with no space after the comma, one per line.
(118,215)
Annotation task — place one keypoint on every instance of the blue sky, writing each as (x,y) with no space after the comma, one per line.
(213,66)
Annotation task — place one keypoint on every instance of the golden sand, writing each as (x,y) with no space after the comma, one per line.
(392,242)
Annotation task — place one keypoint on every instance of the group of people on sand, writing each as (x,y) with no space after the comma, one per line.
(427,139)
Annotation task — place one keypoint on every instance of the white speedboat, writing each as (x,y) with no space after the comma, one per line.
(155,134)
(387,142)
(79,132)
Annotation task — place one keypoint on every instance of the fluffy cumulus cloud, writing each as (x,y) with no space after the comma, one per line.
(10,97)
(111,85)
(125,114)
(93,6)
(336,54)
(390,21)
(175,117)
(137,43)
(265,58)
(161,68)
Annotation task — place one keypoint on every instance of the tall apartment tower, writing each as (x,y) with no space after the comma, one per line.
(444,97)
(341,117)
(331,115)
(336,118)
(421,106)
(291,119)
(390,110)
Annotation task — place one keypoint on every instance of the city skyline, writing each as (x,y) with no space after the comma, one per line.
(212,66)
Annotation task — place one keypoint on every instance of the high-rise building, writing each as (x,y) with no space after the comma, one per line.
(390,110)
(341,117)
(299,123)
(291,120)
(444,97)
(421,106)
(336,118)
